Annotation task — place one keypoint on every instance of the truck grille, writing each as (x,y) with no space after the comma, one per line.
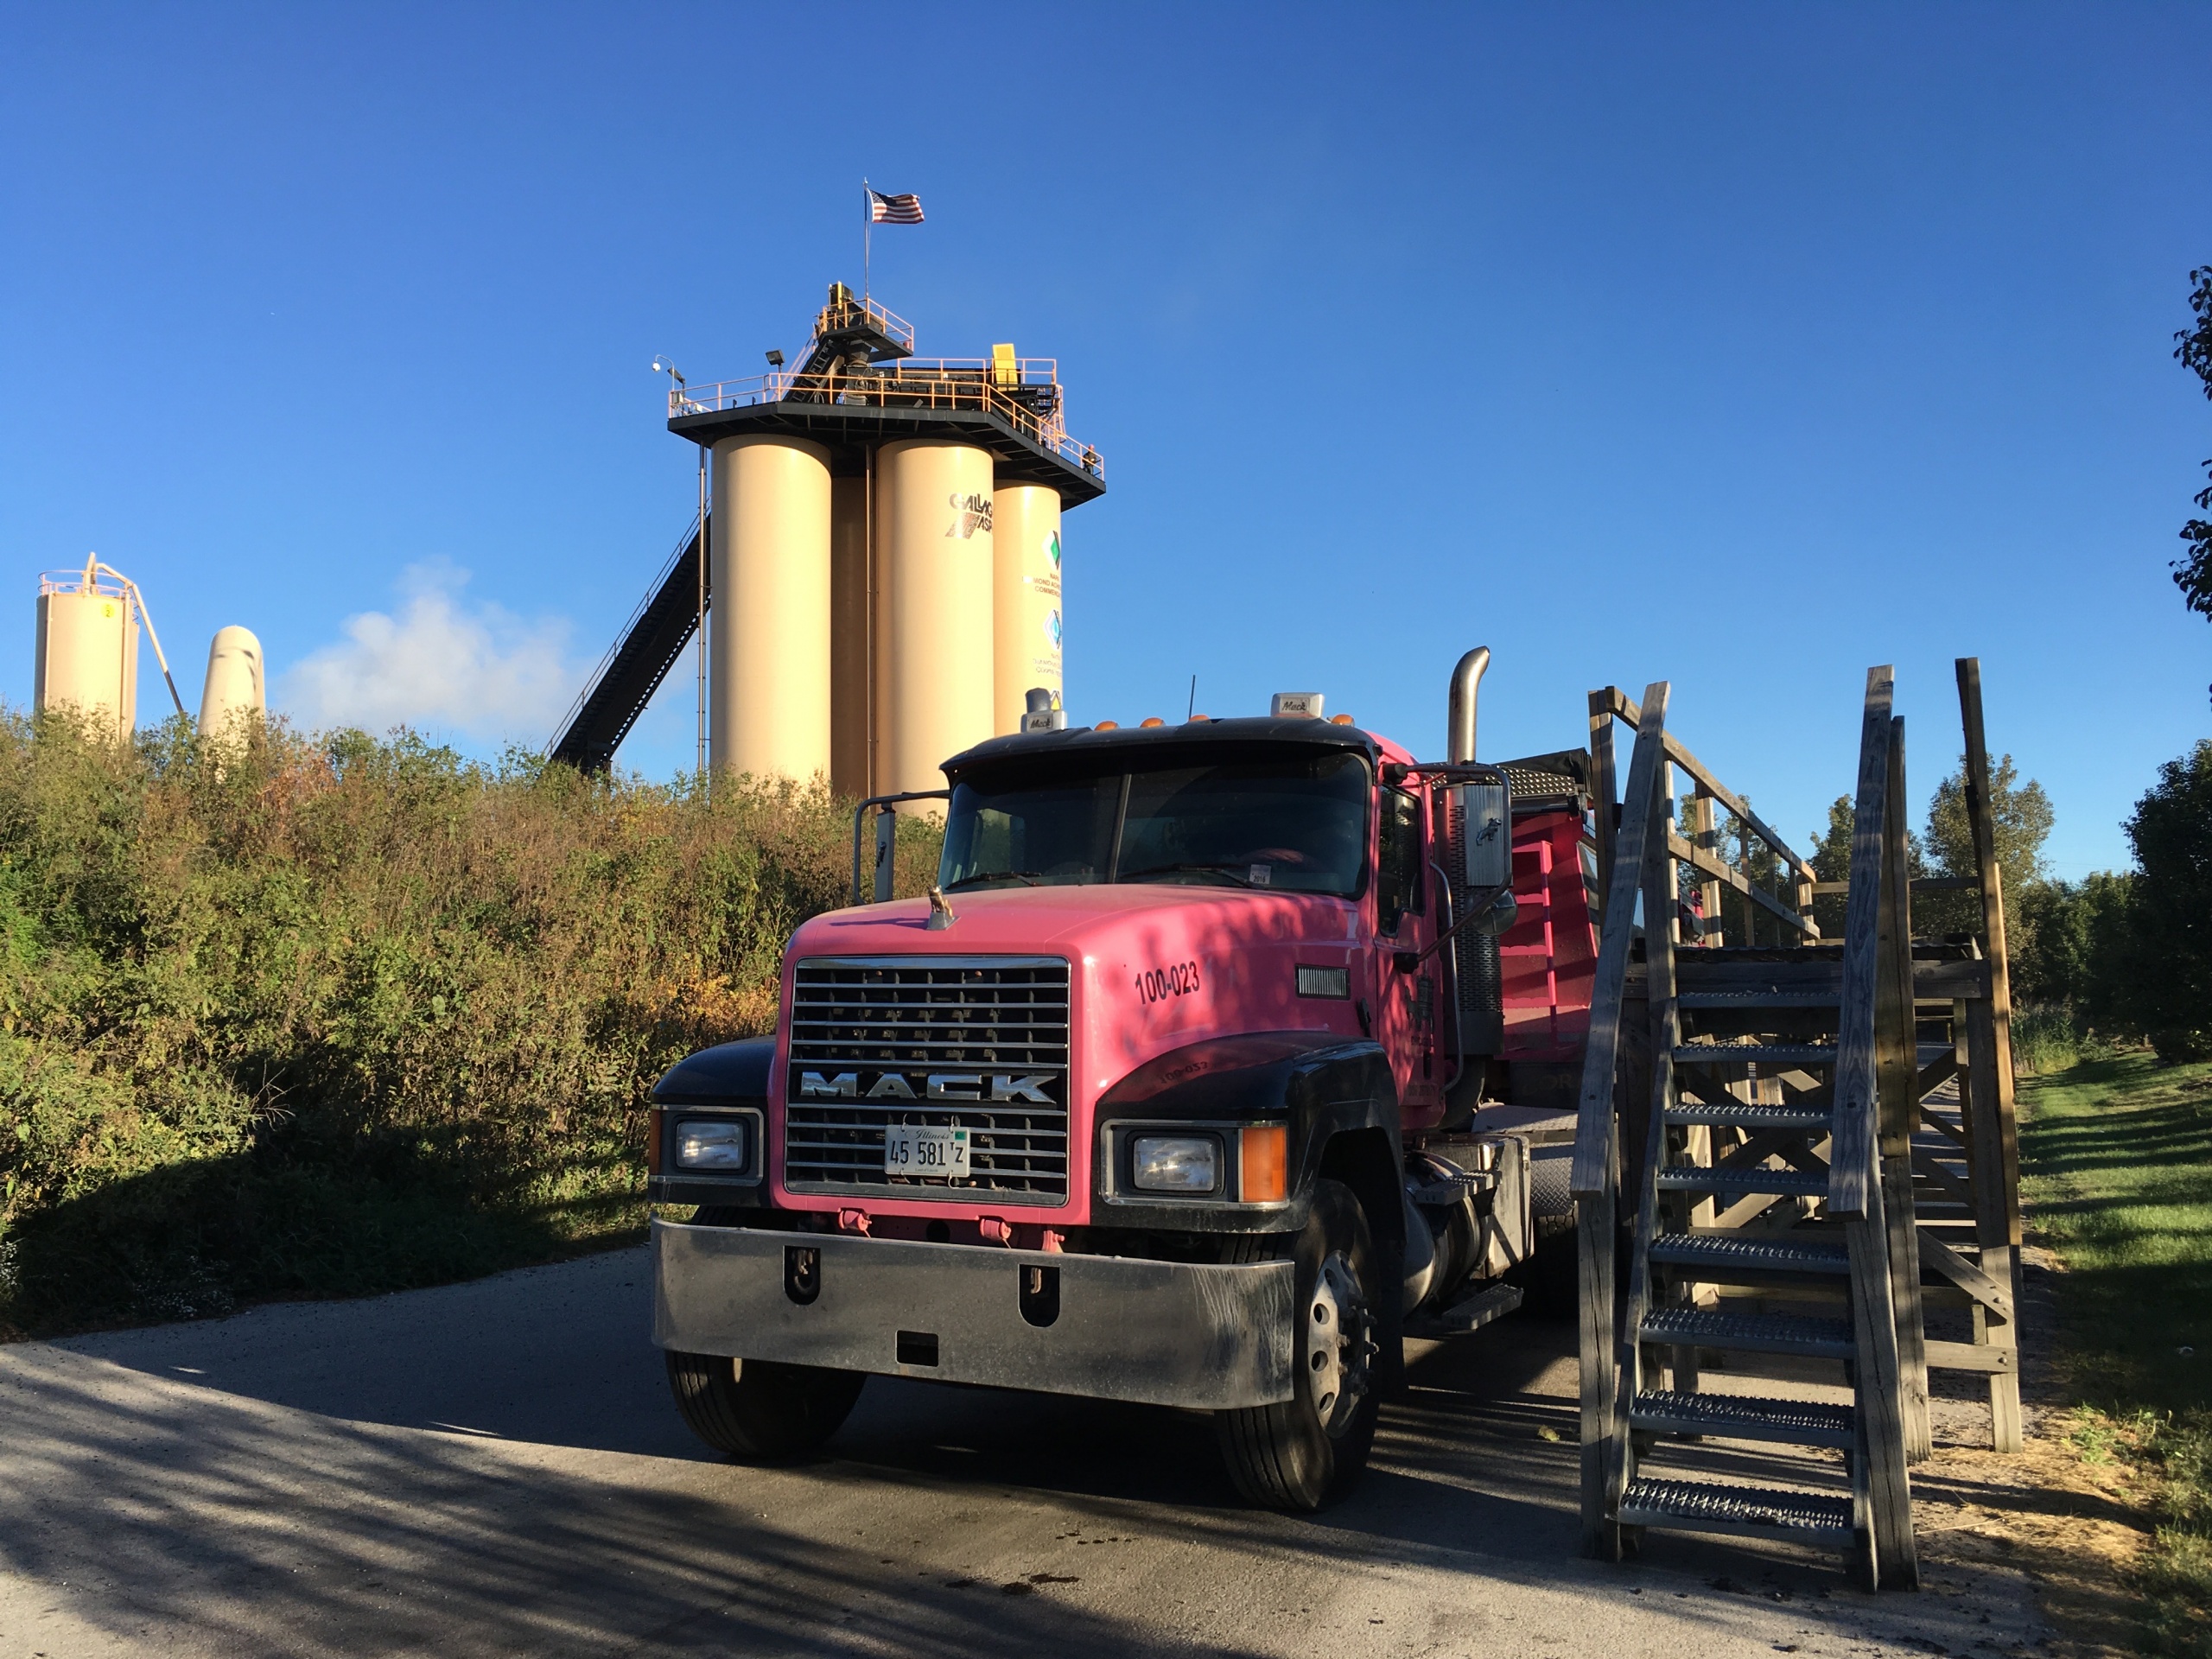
(983,1024)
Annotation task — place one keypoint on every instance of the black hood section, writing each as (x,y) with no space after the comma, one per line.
(728,1072)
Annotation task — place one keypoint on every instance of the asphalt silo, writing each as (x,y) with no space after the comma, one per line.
(87,653)
(235,693)
(1024,600)
(884,559)
(768,677)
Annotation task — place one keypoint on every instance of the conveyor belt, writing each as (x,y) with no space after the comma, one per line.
(631,672)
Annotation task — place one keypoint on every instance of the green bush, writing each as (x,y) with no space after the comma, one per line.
(314,1016)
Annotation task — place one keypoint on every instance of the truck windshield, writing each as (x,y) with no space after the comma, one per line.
(1294,822)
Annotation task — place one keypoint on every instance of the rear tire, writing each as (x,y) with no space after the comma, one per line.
(1308,1450)
(760,1411)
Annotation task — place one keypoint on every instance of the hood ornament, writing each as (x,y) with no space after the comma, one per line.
(941,916)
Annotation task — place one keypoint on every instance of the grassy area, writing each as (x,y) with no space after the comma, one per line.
(2116,1167)
(331,1015)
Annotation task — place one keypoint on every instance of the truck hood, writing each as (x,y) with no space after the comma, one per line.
(1153,967)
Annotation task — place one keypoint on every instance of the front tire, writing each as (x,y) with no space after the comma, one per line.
(760,1411)
(1303,1452)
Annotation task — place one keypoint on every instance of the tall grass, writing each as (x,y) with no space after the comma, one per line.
(2116,1165)
(336,1014)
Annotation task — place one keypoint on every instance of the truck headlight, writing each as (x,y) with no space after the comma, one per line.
(711,1143)
(1175,1163)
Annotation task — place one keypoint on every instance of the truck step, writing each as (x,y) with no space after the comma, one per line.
(1734,1115)
(1748,1334)
(1757,1054)
(1690,1178)
(1705,1506)
(1718,1255)
(1469,1313)
(1744,1417)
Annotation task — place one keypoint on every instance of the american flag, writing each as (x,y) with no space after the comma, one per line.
(893,209)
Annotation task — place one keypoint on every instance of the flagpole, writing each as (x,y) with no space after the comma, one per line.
(868,228)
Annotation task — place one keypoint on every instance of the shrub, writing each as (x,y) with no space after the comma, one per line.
(339,1015)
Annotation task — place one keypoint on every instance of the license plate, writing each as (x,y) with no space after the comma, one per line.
(915,1149)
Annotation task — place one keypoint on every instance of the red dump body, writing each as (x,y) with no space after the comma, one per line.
(1550,957)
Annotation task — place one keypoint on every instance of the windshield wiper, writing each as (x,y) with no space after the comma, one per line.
(1228,872)
(1027,878)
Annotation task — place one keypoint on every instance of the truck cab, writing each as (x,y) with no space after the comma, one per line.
(1162,1094)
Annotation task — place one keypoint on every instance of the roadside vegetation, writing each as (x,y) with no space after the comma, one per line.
(2116,1167)
(329,1016)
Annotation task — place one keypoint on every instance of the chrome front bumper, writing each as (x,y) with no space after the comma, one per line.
(1160,1332)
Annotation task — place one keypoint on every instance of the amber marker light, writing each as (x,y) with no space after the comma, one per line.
(654,1121)
(1149,722)
(1264,1164)
(1340,719)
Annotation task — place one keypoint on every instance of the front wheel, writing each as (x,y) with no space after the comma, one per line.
(758,1410)
(1302,1451)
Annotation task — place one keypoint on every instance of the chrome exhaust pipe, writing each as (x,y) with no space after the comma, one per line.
(1459,719)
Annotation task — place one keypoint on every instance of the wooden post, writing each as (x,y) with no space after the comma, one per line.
(1881,1434)
(1992,918)
(1703,835)
(1594,1180)
(1604,793)
(1898,1071)
(1978,1096)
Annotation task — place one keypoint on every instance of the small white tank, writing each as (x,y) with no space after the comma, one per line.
(87,654)
(235,697)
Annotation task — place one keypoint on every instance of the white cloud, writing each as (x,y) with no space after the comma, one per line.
(442,665)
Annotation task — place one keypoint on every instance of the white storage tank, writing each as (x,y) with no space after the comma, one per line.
(770,681)
(87,653)
(235,697)
(936,580)
(1026,600)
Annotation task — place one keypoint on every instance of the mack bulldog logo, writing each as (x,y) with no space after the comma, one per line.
(974,513)
(1002,1086)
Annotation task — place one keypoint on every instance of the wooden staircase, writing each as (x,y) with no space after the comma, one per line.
(1766,1147)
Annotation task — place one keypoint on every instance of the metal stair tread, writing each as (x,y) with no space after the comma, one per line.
(1737,1114)
(1758,1053)
(1741,1416)
(1761,999)
(1690,1178)
(1764,1253)
(1696,1505)
(1751,1333)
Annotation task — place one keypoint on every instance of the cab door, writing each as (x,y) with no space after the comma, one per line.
(1407,999)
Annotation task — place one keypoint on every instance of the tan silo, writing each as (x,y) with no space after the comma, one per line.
(1025,600)
(234,695)
(769,706)
(934,499)
(87,653)
(849,636)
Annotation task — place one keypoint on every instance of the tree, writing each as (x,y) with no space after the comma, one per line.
(2171,911)
(2193,350)
(2080,953)
(1831,861)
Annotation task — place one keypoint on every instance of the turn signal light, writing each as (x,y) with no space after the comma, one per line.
(1264,1164)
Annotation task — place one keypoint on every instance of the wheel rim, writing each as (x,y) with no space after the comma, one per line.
(1338,1346)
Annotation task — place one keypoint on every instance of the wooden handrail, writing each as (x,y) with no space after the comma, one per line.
(1593,1132)
(1790,906)
(1851,1163)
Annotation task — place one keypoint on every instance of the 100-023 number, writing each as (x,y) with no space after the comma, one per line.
(1157,984)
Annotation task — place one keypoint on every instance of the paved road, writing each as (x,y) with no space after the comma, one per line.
(494,1468)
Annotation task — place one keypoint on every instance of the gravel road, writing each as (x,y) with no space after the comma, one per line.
(494,1468)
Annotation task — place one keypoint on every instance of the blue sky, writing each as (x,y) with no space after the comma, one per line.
(1741,346)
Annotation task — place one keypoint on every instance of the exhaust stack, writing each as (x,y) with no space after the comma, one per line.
(1459,718)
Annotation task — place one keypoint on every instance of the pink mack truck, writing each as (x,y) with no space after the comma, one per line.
(1180,1087)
